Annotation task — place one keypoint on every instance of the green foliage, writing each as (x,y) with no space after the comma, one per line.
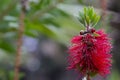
(5,45)
(42,18)
(81,1)
(8,74)
(11,75)
(35,27)
(89,17)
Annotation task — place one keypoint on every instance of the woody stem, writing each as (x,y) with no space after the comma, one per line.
(20,41)
(88,77)
(87,28)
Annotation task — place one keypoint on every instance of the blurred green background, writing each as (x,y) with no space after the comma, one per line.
(49,26)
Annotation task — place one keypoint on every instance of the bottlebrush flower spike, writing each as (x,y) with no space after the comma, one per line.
(90,50)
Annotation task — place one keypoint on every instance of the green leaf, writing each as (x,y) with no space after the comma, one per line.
(96,20)
(87,20)
(38,27)
(5,45)
(89,17)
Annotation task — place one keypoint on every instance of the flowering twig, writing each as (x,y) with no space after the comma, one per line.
(89,53)
(19,41)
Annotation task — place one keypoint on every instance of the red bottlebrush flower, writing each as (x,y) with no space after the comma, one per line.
(90,53)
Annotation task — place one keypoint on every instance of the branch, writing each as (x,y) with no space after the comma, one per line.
(87,77)
(19,41)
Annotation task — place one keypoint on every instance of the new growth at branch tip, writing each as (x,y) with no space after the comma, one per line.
(88,17)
